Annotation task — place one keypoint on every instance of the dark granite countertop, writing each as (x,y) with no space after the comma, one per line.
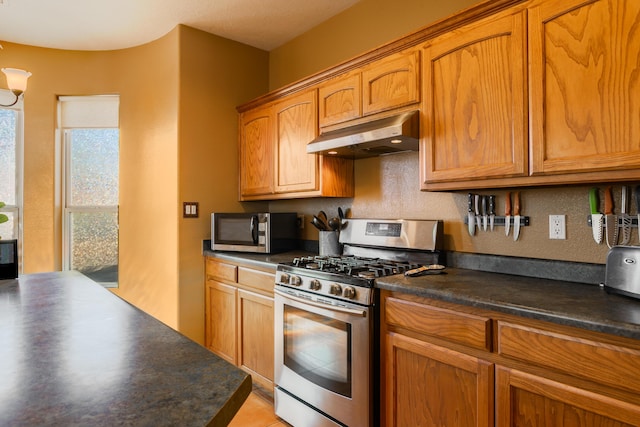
(582,305)
(74,354)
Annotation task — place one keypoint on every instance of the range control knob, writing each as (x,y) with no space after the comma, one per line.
(349,292)
(295,281)
(284,278)
(315,285)
(335,289)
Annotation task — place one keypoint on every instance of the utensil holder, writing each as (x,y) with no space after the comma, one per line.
(329,244)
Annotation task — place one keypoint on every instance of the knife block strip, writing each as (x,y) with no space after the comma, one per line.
(500,221)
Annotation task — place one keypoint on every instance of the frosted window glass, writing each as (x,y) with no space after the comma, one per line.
(7,228)
(94,167)
(94,245)
(7,157)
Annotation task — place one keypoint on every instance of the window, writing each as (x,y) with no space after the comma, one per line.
(91,143)
(11,143)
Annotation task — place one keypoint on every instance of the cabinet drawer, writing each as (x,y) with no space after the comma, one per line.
(463,328)
(256,279)
(610,364)
(221,271)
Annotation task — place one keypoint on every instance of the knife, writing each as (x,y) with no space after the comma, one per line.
(611,220)
(626,218)
(516,215)
(471,217)
(637,193)
(485,213)
(477,203)
(596,216)
(507,214)
(492,210)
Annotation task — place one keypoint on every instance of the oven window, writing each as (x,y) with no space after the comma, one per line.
(318,348)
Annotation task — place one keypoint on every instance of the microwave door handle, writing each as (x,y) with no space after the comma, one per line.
(254,229)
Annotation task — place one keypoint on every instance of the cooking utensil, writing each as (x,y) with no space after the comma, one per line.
(425,269)
(611,220)
(340,213)
(323,217)
(485,212)
(476,199)
(471,217)
(596,216)
(625,217)
(637,194)
(507,214)
(335,223)
(516,215)
(492,211)
(319,224)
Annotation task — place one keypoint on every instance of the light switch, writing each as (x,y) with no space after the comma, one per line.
(190,210)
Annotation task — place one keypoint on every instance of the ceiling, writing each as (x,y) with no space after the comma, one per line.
(117,24)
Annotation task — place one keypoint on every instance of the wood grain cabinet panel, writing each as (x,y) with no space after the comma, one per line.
(463,328)
(614,365)
(340,99)
(474,123)
(427,385)
(220,315)
(391,82)
(256,152)
(256,339)
(585,114)
(526,400)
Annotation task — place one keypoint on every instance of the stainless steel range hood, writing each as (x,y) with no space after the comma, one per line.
(388,135)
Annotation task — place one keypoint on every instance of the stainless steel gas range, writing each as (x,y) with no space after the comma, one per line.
(326,321)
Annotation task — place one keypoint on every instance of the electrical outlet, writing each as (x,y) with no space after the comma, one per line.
(301,222)
(557,227)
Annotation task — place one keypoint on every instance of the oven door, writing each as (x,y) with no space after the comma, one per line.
(323,357)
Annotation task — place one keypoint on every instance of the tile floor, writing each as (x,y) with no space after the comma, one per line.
(257,411)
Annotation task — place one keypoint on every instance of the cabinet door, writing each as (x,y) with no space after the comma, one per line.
(474,122)
(256,152)
(525,400)
(585,113)
(296,126)
(220,317)
(427,385)
(340,99)
(256,340)
(391,82)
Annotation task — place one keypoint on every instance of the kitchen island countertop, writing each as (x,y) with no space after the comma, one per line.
(74,354)
(586,306)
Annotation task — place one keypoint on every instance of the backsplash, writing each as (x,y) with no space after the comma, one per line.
(388,187)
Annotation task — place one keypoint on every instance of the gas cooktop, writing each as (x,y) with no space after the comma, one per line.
(352,266)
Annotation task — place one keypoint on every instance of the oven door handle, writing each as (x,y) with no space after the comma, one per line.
(337,309)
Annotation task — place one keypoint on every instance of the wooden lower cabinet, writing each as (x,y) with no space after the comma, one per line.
(526,400)
(428,385)
(239,317)
(533,373)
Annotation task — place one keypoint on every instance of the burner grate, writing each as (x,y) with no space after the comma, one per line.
(350,265)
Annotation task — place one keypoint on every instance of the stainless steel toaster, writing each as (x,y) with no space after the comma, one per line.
(623,271)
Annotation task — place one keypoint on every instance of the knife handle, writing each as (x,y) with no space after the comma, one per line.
(484,205)
(637,194)
(470,202)
(516,203)
(608,201)
(477,200)
(594,203)
(492,205)
(507,204)
(623,200)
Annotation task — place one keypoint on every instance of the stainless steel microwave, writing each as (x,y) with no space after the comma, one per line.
(254,232)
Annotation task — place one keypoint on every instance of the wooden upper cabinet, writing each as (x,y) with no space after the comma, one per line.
(585,109)
(391,82)
(296,126)
(256,152)
(474,118)
(340,99)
